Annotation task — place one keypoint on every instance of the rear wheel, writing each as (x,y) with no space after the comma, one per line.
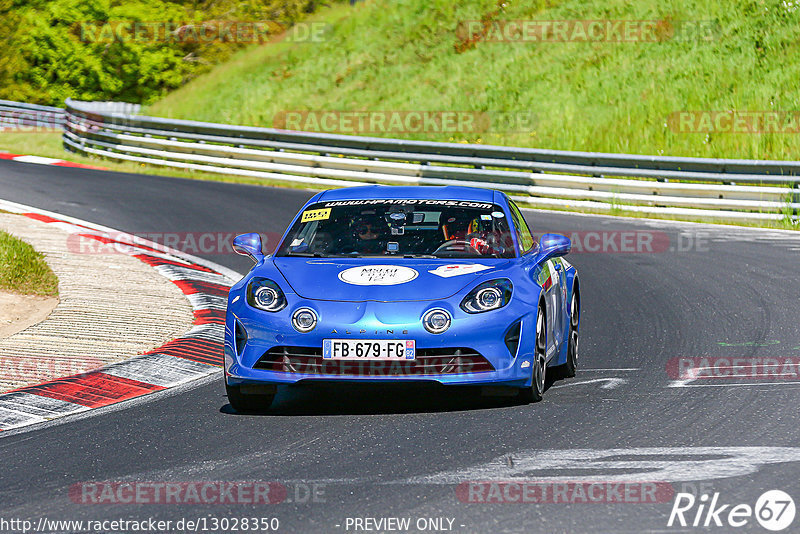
(253,399)
(572,343)
(535,392)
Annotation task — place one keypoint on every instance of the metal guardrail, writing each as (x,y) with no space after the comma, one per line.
(699,188)
(17,116)
(120,108)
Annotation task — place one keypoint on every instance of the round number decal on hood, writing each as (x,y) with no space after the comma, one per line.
(378,275)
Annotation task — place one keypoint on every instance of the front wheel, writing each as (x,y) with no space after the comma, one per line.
(535,392)
(248,402)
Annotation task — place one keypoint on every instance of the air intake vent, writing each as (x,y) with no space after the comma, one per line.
(241,337)
(512,338)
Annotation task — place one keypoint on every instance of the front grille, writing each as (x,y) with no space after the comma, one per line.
(305,360)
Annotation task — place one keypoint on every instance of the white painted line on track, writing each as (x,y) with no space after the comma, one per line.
(608,383)
(680,383)
(664,464)
(37,159)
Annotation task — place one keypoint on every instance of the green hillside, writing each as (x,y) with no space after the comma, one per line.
(405,55)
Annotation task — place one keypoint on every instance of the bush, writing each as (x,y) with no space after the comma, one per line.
(54,49)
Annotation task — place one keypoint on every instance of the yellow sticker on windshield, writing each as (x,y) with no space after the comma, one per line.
(316,215)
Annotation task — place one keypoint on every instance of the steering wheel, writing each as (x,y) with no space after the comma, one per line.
(456,245)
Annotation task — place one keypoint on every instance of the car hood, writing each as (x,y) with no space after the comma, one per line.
(378,279)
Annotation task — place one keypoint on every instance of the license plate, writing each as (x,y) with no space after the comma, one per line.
(368,349)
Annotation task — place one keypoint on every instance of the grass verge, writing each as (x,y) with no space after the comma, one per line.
(24,270)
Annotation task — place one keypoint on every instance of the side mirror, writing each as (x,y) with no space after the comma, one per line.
(249,245)
(553,245)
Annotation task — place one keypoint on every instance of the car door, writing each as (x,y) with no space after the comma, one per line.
(560,297)
(551,279)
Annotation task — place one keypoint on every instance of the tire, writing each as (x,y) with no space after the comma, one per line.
(535,391)
(572,343)
(250,402)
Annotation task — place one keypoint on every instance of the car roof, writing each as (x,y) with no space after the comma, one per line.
(450,192)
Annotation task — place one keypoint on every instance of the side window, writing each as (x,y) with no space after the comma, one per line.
(524,236)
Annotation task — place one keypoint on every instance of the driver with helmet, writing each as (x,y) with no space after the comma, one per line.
(366,234)
(469,230)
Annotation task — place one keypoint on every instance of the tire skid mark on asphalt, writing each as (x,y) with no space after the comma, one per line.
(194,355)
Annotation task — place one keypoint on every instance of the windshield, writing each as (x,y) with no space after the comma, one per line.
(406,228)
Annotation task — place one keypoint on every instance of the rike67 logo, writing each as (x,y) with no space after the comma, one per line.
(774,510)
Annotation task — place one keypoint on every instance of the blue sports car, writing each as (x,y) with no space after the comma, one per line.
(403,284)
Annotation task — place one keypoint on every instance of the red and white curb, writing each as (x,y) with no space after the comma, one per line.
(48,161)
(196,354)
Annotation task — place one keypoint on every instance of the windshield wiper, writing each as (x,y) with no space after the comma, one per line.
(306,254)
(493,255)
(426,256)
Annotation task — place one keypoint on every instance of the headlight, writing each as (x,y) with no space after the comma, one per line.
(265,294)
(436,321)
(304,320)
(491,295)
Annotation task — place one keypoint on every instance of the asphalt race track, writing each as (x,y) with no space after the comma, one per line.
(377,453)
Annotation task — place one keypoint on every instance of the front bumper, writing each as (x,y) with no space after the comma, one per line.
(270,337)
